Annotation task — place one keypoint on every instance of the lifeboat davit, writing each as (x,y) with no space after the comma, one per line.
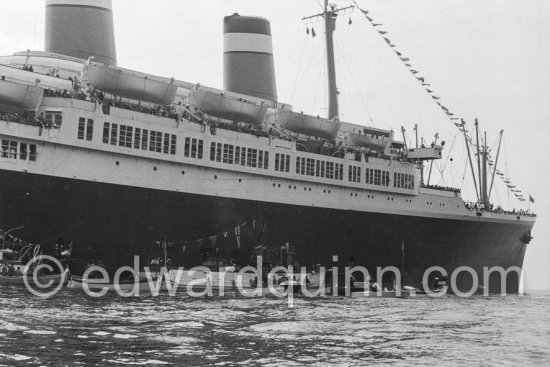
(309,125)
(132,85)
(369,141)
(226,106)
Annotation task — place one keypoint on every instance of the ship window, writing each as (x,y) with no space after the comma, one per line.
(32,152)
(323,169)
(219,152)
(252,157)
(187,147)
(260,159)
(106,128)
(287,163)
(341,171)
(89,129)
(114,130)
(137,138)
(144,139)
(53,118)
(166,143)
(277,155)
(237,155)
(310,167)
(212,151)
(200,149)
(330,170)
(266,160)
(125,137)
(23,151)
(297,164)
(9,149)
(81,128)
(173,144)
(243,156)
(227,153)
(155,142)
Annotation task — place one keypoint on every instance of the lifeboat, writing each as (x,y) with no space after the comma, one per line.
(369,141)
(31,78)
(309,125)
(20,96)
(222,105)
(132,85)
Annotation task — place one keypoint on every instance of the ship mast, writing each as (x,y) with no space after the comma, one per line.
(329,14)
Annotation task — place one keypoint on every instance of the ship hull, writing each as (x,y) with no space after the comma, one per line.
(112,223)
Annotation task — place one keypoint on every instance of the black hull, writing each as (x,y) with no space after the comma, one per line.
(114,222)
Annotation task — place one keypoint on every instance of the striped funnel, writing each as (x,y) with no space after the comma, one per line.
(248,57)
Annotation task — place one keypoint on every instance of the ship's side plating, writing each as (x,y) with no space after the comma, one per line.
(114,200)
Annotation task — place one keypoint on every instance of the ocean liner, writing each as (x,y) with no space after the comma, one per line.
(114,160)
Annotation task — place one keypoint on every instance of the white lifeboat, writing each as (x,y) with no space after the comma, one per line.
(375,142)
(125,83)
(226,106)
(309,125)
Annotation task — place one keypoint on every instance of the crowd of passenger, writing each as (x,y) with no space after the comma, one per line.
(28,118)
(442,188)
(472,205)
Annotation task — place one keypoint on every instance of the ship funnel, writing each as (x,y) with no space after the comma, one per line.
(248,57)
(81,28)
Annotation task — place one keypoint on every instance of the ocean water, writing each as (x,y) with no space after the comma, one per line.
(72,329)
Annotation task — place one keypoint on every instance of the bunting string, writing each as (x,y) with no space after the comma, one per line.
(255,224)
(437,99)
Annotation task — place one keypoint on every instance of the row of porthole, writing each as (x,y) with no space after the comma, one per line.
(305,188)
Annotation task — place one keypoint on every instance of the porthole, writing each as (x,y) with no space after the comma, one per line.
(279,185)
(240,180)
(155,168)
(215,177)
(183,172)
(273,184)
(117,163)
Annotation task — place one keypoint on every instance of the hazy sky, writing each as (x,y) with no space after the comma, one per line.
(488,59)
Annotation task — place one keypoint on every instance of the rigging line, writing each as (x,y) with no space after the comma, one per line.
(299,69)
(355,83)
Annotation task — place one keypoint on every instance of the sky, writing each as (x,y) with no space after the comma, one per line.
(485,59)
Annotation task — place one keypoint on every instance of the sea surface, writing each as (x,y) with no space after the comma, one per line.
(73,329)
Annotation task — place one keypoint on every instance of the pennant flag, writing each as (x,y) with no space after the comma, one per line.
(387,40)
(364,11)
(531,199)
(521,199)
(426,84)
(184,247)
(397,52)
(405,59)
(420,78)
(382,32)
(313,32)
(225,234)
(454,118)
(307,30)
(369,18)
(435,97)
(155,261)
(414,71)
(408,65)
(457,124)
(429,91)
(349,22)
(376,24)
(449,113)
